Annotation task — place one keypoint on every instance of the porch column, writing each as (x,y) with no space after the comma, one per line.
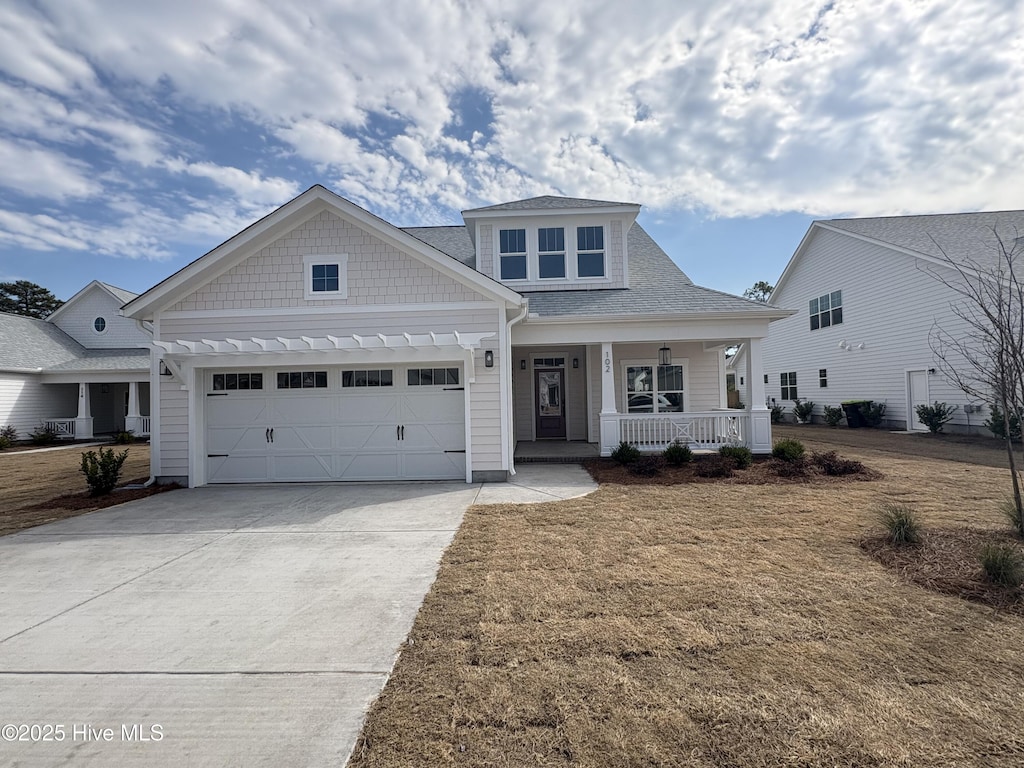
(83,423)
(132,418)
(609,416)
(759,428)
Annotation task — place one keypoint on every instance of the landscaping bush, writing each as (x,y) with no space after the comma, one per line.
(10,432)
(1002,564)
(835,465)
(833,415)
(788,467)
(127,437)
(103,471)
(803,409)
(5,443)
(43,436)
(740,455)
(714,466)
(935,416)
(997,426)
(626,453)
(900,523)
(788,449)
(777,411)
(874,414)
(645,466)
(678,454)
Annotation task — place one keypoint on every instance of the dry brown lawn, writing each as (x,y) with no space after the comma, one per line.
(38,487)
(706,625)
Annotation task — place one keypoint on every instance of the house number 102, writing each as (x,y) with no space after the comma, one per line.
(608,364)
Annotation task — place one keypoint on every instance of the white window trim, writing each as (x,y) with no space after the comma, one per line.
(106,325)
(339,259)
(577,253)
(571,253)
(564,253)
(524,254)
(623,405)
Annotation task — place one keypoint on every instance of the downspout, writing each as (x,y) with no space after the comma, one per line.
(508,401)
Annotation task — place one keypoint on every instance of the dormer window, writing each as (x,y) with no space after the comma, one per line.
(590,251)
(512,250)
(551,252)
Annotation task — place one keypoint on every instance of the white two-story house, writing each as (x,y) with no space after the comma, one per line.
(324,343)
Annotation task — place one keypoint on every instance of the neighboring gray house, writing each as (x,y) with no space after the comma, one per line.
(866,299)
(323,343)
(82,371)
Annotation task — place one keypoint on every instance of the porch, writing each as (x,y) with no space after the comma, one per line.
(103,408)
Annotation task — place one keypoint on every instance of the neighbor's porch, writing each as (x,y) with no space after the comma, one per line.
(102,408)
(581,400)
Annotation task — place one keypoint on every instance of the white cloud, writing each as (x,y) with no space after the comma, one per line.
(251,188)
(35,171)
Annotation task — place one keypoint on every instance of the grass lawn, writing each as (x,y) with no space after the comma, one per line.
(38,487)
(707,625)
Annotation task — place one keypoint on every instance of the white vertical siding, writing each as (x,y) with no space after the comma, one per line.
(889,306)
(25,401)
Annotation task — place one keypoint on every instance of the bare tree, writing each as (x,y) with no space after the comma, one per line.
(984,357)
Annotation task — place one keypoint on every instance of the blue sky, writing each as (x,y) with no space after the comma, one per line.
(136,136)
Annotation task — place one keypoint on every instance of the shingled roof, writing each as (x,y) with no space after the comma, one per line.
(549,202)
(31,345)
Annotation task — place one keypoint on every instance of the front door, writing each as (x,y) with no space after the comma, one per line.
(917,394)
(550,404)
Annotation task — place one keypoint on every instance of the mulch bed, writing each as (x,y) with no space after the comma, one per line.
(946,561)
(764,471)
(74,504)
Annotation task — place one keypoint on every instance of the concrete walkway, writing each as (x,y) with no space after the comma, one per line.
(227,625)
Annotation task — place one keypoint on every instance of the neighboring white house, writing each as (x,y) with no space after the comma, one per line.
(82,371)
(866,299)
(323,343)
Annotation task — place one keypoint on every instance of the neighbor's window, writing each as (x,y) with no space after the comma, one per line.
(654,388)
(590,251)
(301,379)
(822,377)
(383,377)
(512,249)
(826,310)
(551,252)
(788,381)
(234,381)
(432,377)
(326,276)
(99,324)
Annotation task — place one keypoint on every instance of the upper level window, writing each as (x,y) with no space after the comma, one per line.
(326,276)
(512,248)
(826,310)
(590,251)
(551,252)
(100,324)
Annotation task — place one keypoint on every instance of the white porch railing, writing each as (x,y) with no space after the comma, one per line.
(139,425)
(63,428)
(656,431)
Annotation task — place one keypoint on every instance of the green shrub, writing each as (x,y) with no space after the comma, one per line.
(678,454)
(645,466)
(997,425)
(833,415)
(788,449)
(1003,564)
(740,455)
(5,443)
(874,414)
(900,523)
(714,466)
(777,411)
(835,465)
(935,416)
(626,453)
(103,471)
(803,409)
(10,432)
(43,436)
(127,437)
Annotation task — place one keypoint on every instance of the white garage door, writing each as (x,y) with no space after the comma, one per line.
(335,424)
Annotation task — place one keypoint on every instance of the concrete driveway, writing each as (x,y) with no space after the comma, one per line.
(217,626)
